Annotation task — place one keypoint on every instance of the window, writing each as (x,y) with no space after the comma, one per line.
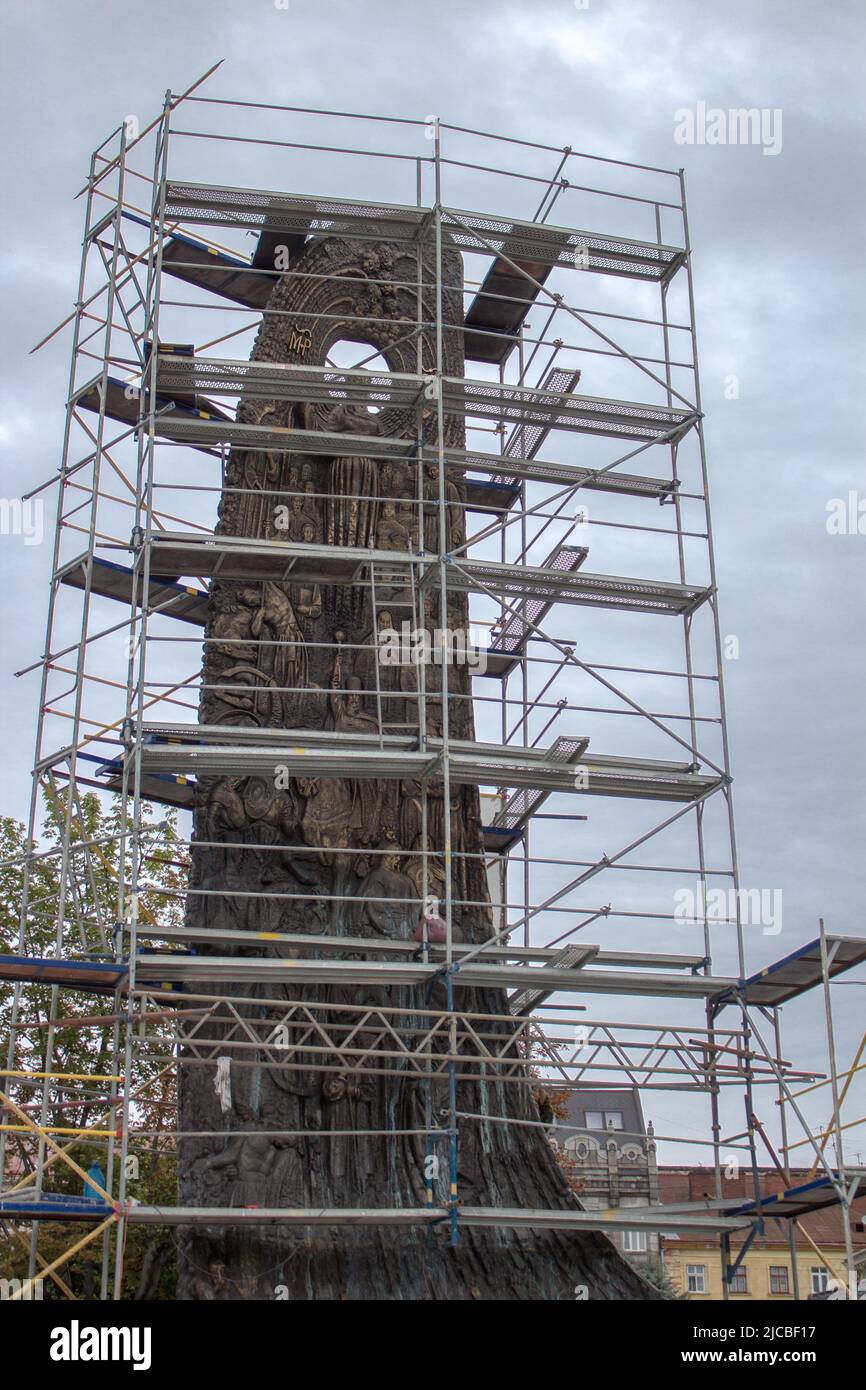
(697,1278)
(779,1279)
(634,1242)
(604,1119)
(739,1283)
(819,1276)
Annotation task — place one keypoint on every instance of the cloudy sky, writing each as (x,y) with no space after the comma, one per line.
(778,243)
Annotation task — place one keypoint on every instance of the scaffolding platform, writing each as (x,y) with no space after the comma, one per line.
(800,971)
(221,750)
(123,404)
(225,750)
(95,977)
(168,768)
(176,554)
(188,969)
(111,580)
(492,321)
(372,946)
(520,405)
(794,1202)
(482,234)
(516,1218)
(55,1206)
(212,431)
(509,642)
(509,470)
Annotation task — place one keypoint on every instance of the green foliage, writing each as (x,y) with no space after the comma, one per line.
(73,917)
(655,1273)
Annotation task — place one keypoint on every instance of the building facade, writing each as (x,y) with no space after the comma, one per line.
(609,1157)
(800,1260)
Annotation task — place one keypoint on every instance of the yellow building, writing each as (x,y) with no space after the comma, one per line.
(768,1271)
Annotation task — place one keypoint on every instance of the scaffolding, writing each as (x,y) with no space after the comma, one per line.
(603,683)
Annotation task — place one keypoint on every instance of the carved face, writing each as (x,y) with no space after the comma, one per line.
(353,699)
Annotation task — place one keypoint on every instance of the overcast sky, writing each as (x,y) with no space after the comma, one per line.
(778,261)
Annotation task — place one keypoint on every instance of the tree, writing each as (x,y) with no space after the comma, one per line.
(80,1044)
(655,1273)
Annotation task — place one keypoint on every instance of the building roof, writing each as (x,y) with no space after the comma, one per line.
(583,1100)
(824,1226)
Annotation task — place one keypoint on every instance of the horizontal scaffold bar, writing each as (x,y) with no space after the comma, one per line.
(483,234)
(182,968)
(354,945)
(322,753)
(235,557)
(206,428)
(622,1219)
(227,750)
(521,405)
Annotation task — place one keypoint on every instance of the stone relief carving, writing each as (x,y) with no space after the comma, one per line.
(340,856)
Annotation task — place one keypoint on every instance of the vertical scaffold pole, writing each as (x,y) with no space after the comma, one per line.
(842,1184)
(443,639)
(726,762)
(136,692)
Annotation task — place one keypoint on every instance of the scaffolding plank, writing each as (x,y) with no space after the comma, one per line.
(210,269)
(111,580)
(508,642)
(55,1206)
(567,1219)
(172,754)
(234,557)
(595,415)
(478,233)
(496,314)
(563,247)
(211,434)
(526,407)
(188,969)
(800,971)
(221,750)
(793,1202)
(96,977)
(572,957)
